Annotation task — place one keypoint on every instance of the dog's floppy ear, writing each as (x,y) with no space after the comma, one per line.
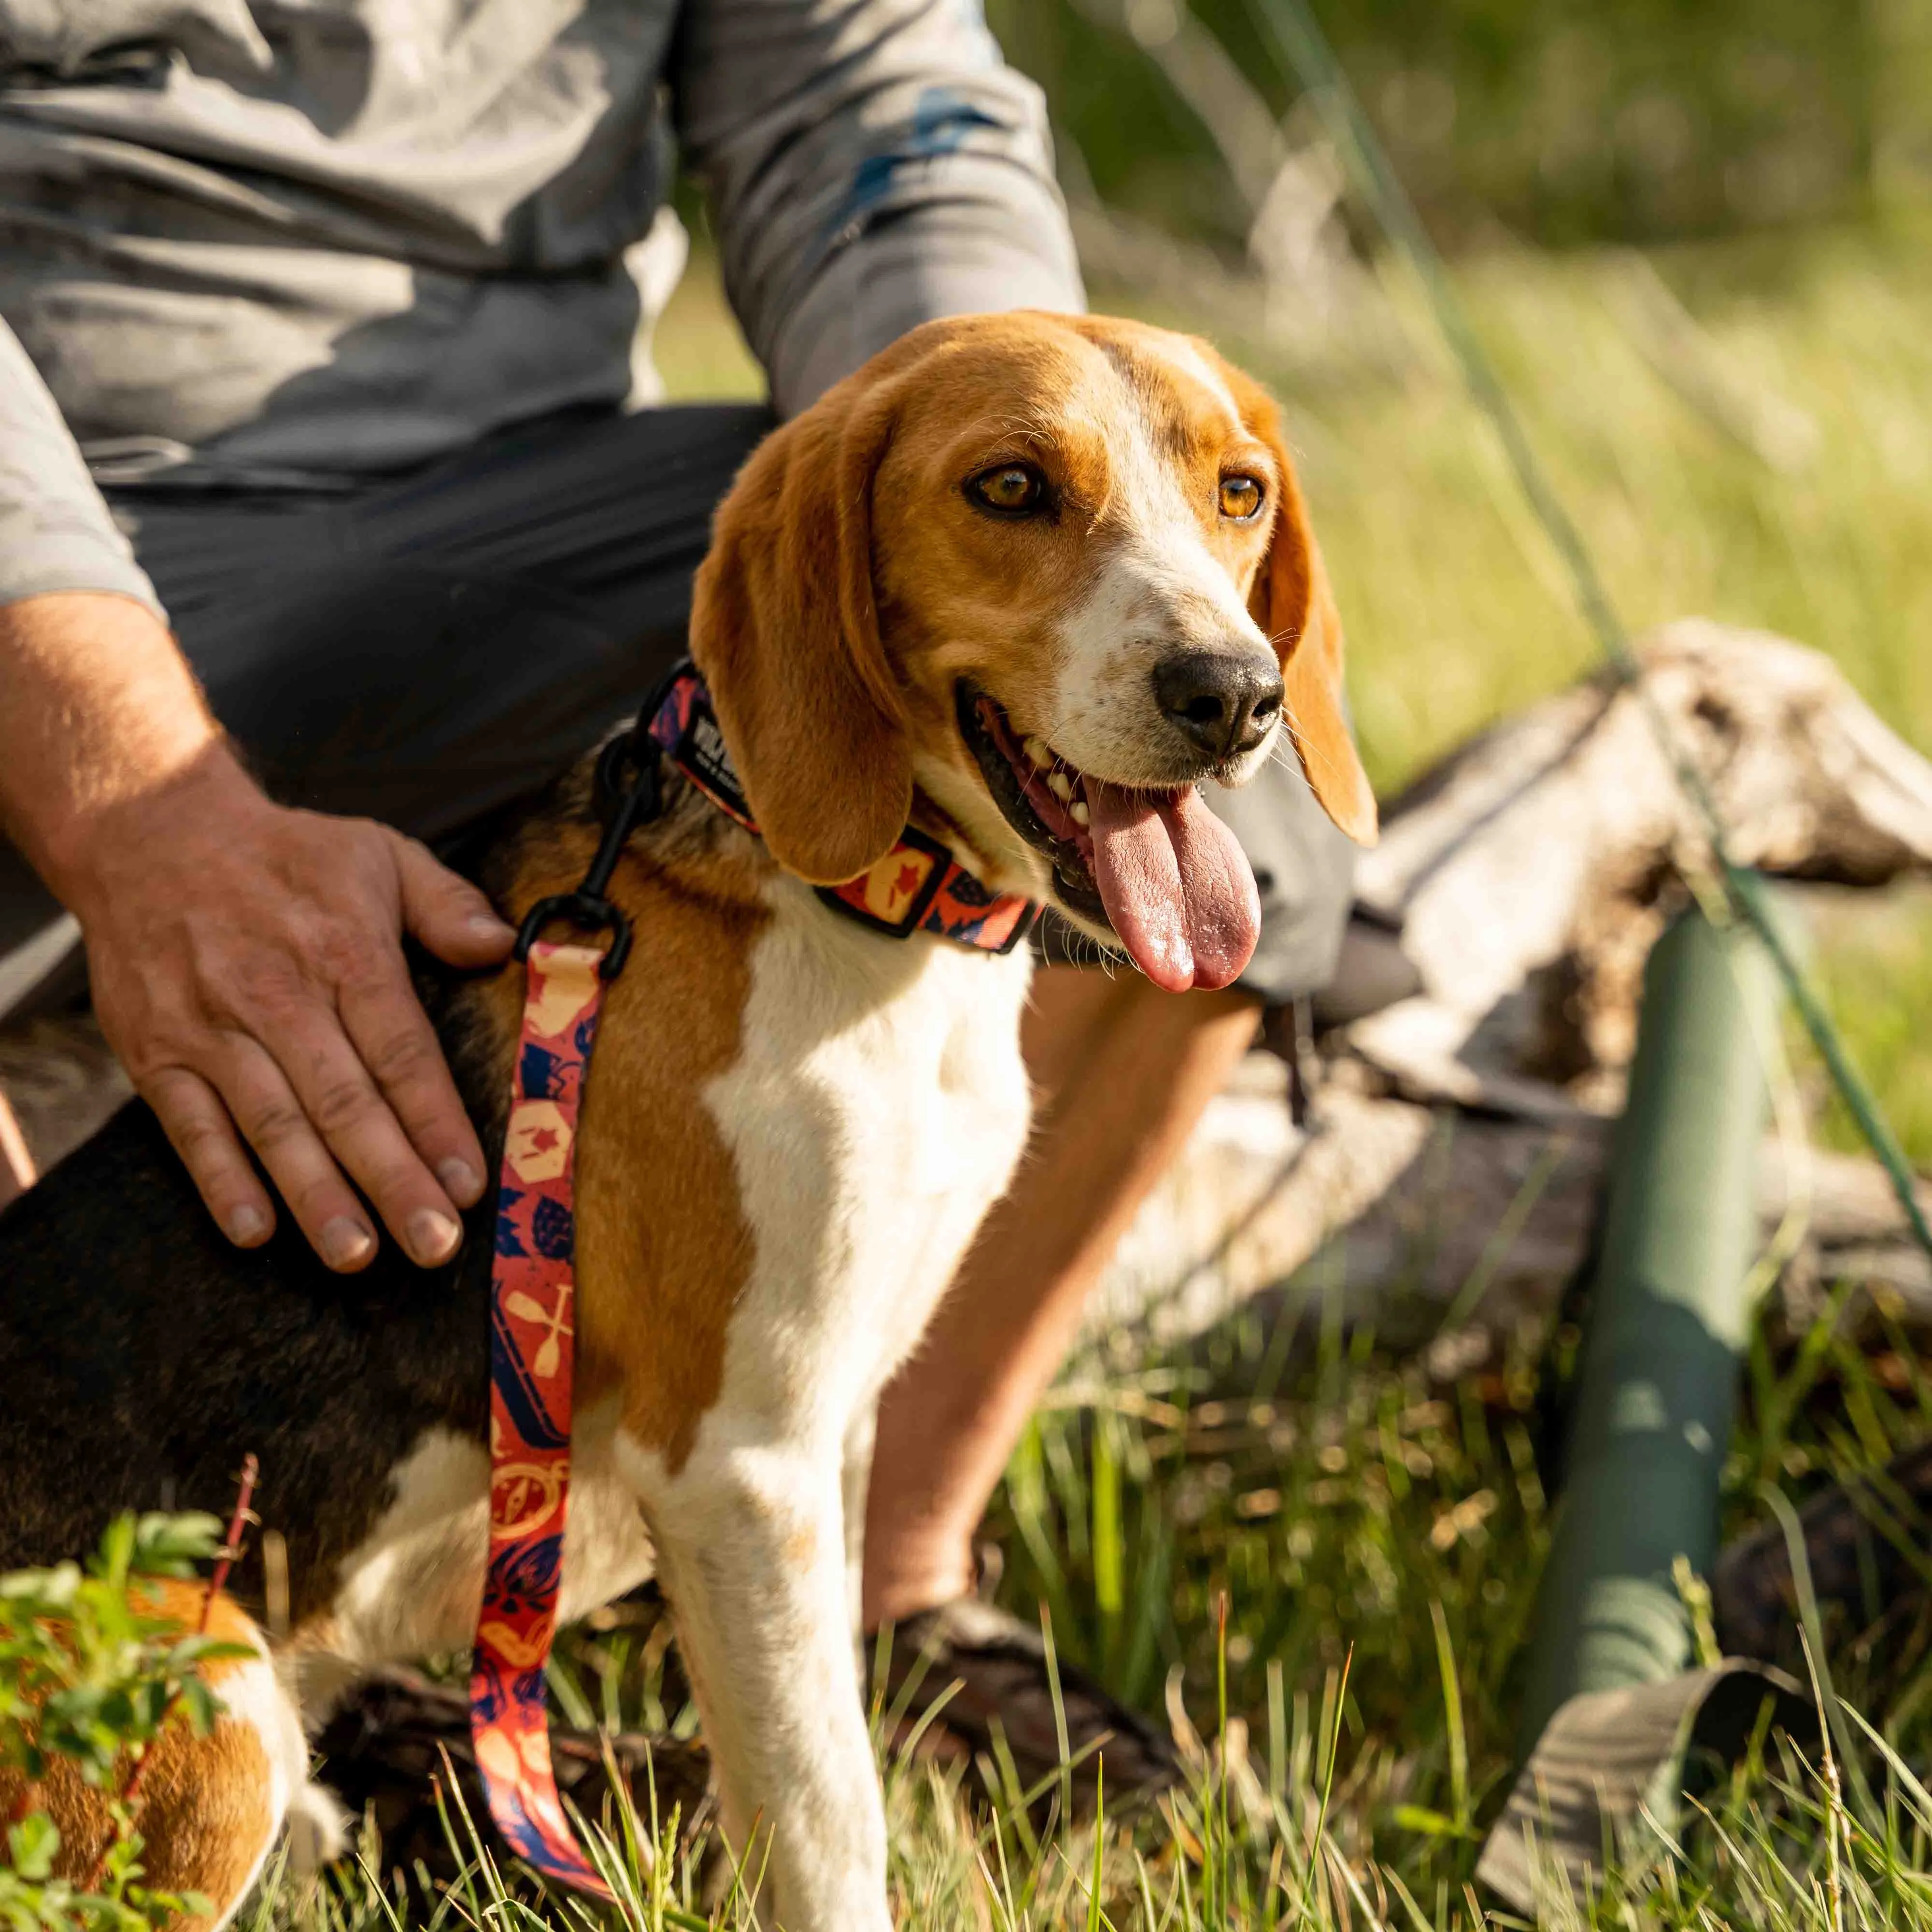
(784,628)
(1291,602)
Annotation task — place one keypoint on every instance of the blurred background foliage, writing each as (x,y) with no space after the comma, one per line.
(1559,122)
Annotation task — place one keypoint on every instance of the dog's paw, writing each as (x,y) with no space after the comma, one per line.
(318,1827)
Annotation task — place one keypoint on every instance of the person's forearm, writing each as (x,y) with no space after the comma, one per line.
(870,166)
(931,262)
(101,712)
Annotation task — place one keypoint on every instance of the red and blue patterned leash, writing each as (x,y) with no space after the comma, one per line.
(918,887)
(532,1363)
(532,1341)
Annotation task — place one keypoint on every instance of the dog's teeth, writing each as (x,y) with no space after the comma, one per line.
(1060,784)
(1036,749)
(1078,811)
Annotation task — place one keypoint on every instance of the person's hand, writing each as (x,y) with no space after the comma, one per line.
(247,967)
(247,960)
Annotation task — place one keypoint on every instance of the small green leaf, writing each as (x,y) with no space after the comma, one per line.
(117,1551)
(200,1704)
(32,1845)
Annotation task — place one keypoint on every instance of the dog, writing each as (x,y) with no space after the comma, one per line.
(1021,583)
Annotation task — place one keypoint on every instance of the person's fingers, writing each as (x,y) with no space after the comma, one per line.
(277,1125)
(389,1030)
(342,1101)
(448,914)
(199,1128)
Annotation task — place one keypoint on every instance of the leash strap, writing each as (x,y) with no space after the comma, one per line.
(532,1361)
(918,886)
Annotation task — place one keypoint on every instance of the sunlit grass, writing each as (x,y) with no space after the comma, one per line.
(1378,1538)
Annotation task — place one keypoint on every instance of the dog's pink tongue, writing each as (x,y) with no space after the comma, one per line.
(1176,885)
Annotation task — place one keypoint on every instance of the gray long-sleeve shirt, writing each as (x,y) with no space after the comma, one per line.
(294,243)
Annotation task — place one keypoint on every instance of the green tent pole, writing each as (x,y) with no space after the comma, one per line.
(1668,1325)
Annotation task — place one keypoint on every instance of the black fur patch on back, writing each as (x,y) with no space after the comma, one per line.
(142,1356)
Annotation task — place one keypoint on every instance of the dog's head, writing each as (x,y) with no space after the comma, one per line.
(1053,570)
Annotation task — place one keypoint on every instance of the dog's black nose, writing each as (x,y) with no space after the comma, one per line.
(1223,701)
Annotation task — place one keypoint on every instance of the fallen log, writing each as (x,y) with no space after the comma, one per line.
(1409,1212)
(1455,1155)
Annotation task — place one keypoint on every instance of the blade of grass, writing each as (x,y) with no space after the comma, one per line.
(1452,1715)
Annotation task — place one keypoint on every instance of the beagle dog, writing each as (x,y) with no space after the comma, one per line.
(1019,584)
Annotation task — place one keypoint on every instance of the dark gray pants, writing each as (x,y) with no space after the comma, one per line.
(422,651)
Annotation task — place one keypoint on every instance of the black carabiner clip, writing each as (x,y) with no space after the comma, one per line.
(623,808)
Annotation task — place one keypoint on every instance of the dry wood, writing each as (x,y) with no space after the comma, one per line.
(1461,1133)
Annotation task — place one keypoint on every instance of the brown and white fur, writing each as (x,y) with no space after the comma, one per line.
(792,1124)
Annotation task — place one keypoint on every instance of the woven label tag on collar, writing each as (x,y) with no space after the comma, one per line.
(918,886)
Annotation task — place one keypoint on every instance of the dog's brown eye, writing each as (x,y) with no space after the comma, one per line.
(1241,497)
(1011,488)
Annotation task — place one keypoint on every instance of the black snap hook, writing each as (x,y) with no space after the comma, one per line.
(622,807)
(589,913)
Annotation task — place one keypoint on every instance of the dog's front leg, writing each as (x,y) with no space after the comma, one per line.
(752,1551)
(856,1482)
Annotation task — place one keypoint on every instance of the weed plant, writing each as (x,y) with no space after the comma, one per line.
(92,1672)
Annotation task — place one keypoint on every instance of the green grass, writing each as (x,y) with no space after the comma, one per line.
(1378,1538)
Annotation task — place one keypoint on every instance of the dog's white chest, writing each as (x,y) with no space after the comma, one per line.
(876,1109)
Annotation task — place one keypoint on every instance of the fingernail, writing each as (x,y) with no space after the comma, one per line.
(432,1237)
(460,1181)
(487,926)
(247,1225)
(346,1242)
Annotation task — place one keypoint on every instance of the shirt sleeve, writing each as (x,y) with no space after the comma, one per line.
(871,164)
(55,532)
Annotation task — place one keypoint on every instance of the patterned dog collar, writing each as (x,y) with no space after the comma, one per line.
(918,886)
